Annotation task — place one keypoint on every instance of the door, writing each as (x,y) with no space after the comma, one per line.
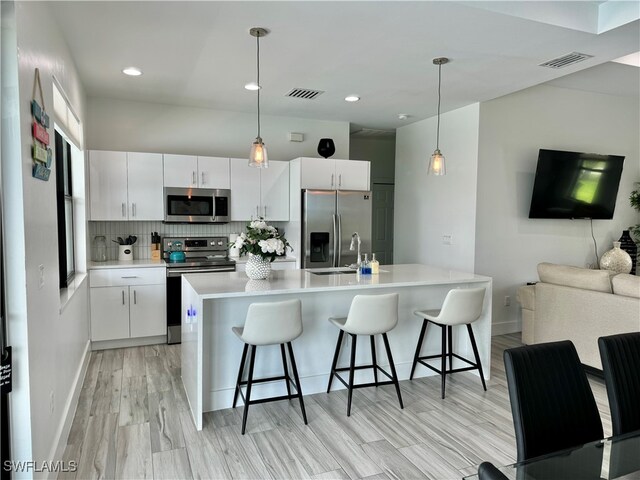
(213,172)
(354,216)
(147,310)
(274,190)
(245,185)
(317,173)
(109,313)
(145,186)
(318,228)
(382,223)
(180,171)
(352,175)
(108,185)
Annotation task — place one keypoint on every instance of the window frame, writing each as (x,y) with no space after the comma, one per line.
(64,195)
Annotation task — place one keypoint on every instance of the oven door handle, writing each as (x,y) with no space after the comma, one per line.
(176,272)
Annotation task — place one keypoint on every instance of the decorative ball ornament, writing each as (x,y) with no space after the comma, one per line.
(258,268)
(616,260)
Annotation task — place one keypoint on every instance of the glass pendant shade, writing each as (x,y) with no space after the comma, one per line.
(437,164)
(258,156)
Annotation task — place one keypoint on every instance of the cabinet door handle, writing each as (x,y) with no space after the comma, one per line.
(123,297)
(194,178)
(340,180)
(130,276)
(133,209)
(265,211)
(124,210)
(202,182)
(257,211)
(332,176)
(135,298)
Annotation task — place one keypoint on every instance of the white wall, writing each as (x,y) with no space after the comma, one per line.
(152,127)
(56,340)
(428,207)
(513,128)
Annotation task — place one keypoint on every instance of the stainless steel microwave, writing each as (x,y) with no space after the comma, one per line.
(197,205)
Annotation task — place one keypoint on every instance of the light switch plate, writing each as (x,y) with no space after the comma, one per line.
(41,279)
(447,239)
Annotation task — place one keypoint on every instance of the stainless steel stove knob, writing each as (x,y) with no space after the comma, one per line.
(220,243)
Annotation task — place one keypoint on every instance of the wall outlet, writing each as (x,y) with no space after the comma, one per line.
(41,279)
(52,403)
(507,301)
(447,239)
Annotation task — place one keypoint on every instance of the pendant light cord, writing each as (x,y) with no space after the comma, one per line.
(258,79)
(438,128)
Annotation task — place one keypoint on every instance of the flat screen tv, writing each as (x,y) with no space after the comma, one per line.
(575,185)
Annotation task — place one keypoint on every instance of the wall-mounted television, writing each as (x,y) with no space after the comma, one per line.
(575,185)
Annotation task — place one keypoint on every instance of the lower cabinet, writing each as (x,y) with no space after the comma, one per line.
(124,306)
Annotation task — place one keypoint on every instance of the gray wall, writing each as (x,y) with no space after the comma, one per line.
(380,151)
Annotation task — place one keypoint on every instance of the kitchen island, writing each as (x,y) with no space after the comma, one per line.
(213,303)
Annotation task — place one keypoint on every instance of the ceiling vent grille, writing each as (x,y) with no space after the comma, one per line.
(373,132)
(304,93)
(566,60)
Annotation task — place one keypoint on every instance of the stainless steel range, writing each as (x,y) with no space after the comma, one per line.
(202,255)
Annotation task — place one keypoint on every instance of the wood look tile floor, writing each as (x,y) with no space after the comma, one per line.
(132,422)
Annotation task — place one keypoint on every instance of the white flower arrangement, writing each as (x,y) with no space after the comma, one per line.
(261,239)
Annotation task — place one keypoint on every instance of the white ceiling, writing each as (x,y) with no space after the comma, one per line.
(200,53)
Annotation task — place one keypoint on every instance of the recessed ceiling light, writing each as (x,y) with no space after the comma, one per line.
(403,116)
(252,86)
(132,71)
(351,98)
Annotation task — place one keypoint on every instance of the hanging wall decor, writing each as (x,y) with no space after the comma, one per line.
(40,151)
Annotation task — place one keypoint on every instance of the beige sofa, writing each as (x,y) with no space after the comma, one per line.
(577,304)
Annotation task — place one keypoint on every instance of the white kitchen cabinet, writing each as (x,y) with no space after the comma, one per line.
(259,192)
(189,171)
(108,185)
(330,174)
(127,303)
(125,186)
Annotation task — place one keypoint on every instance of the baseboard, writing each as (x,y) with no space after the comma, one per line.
(64,428)
(503,328)
(128,342)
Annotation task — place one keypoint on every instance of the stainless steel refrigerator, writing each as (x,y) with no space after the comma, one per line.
(329,219)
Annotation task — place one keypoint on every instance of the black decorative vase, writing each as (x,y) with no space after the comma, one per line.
(628,245)
(326,147)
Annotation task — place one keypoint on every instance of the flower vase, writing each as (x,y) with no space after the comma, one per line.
(628,245)
(258,268)
(616,260)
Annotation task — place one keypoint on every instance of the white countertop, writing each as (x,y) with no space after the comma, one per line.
(245,258)
(224,285)
(144,263)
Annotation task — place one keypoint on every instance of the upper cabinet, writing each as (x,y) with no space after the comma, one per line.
(330,174)
(198,172)
(259,192)
(125,186)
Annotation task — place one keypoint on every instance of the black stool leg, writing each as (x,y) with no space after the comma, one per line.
(418,348)
(443,354)
(297,380)
(373,357)
(286,370)
(475,353)
(450,338)
(351,372)
(240,371)
(252,359)
(393,369)
(335,359)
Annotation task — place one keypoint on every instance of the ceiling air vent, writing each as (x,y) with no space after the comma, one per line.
(373,132)
(304,93)
(566,60)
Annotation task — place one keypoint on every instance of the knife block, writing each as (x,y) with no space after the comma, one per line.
(156,254)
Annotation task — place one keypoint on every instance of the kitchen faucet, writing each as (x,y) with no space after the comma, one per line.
(355,236)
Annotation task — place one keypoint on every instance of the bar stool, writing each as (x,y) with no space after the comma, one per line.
(368,315)
(462,306)
(269,324)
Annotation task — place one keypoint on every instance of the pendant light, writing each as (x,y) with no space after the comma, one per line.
(436,162)
(258,157)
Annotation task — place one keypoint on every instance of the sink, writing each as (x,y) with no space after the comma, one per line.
(342,271)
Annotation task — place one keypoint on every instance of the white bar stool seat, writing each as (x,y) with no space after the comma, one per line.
(276,323)
(461,306)
(368,315)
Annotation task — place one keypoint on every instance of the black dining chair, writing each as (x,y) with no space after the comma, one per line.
(488,471)
(620,356)
(551,400)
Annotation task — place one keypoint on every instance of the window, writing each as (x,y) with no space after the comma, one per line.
(64,196)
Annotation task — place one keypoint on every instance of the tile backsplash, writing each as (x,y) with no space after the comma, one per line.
(142,230)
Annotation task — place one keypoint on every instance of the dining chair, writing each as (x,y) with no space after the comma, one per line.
(551,401)
(488,471)
(620,356)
